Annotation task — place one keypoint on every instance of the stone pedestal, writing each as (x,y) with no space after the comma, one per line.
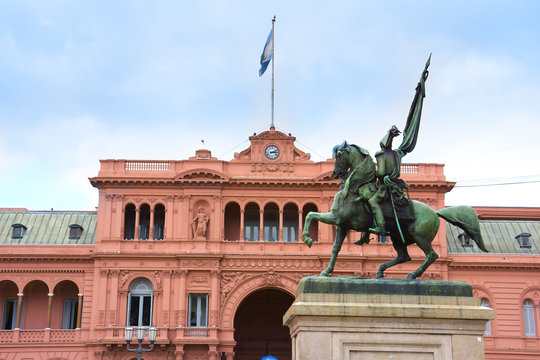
(353,318)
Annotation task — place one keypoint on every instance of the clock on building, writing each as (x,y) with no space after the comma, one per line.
(271,152)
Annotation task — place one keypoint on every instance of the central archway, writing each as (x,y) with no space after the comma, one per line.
(258,325)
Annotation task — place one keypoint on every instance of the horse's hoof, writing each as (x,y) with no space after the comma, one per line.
(379,275)
(411,276)
(324,273)
(308,241)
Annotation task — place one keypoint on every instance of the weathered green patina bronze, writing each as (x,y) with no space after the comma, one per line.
(371,199)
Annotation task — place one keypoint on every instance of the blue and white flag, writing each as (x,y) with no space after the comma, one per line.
(267,53)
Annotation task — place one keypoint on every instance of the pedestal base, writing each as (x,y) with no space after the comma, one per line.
(353,318)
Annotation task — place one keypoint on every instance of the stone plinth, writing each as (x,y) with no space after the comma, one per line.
(353,318)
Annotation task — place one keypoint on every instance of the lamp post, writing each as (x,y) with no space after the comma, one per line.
(139,333)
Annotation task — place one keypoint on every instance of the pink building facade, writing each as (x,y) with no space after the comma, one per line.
(209,253)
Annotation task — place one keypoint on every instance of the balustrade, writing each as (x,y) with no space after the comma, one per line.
(39,336)
(147,166)
(195,332)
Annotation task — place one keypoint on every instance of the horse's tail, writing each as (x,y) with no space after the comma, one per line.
(465,218)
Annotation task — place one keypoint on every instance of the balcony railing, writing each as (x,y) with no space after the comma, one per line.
(39,336)
(147,166)
(195,332)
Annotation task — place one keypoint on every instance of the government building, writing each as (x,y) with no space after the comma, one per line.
(209,252)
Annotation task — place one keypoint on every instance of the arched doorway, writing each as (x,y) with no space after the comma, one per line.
(258,328)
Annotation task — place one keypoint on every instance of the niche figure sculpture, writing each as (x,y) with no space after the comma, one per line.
(199,223)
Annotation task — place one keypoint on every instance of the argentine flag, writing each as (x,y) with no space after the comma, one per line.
(267,53)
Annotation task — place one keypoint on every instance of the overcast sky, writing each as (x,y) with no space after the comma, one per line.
(82,81)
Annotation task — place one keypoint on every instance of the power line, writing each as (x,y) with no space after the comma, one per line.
(304,145)
(500,184)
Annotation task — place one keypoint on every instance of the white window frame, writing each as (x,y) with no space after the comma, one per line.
(195,303)
(69,314)
(485,303)
(529,321)
(140,288)
(13,316)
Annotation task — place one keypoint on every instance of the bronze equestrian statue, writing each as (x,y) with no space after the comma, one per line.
(372,199)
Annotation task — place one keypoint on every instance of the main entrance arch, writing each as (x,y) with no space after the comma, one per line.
(258,325)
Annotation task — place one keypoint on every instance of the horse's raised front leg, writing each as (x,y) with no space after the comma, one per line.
(340,236)
(327,218)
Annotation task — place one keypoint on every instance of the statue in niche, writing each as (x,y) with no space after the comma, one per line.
(199,223)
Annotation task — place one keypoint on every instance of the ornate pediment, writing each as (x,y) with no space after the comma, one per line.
(327,176)
(272,148)
(201,174)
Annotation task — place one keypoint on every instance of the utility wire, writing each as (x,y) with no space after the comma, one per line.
(237,146)
(469,156)
(304,145)
(500,184)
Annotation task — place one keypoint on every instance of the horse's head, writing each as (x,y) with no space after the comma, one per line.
(340,154)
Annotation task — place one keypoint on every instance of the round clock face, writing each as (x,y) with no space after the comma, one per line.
(271,152)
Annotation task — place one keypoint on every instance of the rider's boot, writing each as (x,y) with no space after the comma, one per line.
(378,216)
(364,239)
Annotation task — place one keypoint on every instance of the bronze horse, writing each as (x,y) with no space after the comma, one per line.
(347,214)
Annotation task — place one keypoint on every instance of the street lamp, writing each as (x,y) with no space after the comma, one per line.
(139,332)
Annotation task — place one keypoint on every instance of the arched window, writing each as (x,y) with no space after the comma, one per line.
(485,303)
(144,222)
(159,221)
(314,228)
(290,223)
(140,303)
(251,222)
(232,221)
(129,222)
(271,222)
(528,318)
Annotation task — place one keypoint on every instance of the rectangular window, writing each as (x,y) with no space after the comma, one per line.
(485,303)
(251,233)
(75,232)
(290,234)
(18,231)
(198,310)
(69,314)
(139,310)
(158,233)
(270,233)
(528,318)
(9,314)
(382,239)
(143,232)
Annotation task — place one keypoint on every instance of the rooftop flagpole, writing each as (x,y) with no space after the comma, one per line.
(273,56)
(266,57)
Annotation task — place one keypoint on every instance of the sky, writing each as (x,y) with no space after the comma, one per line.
(82,81)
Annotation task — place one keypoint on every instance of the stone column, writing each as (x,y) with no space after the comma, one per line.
(136,235)
(49,310)
(79,310)
(19,310)
(182,298)
(261,225)
(113,295)
(166,297)
(212,353)
(280,226)
(214,304)
(151,234)
(229,355)
(242,238)
(300,225)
